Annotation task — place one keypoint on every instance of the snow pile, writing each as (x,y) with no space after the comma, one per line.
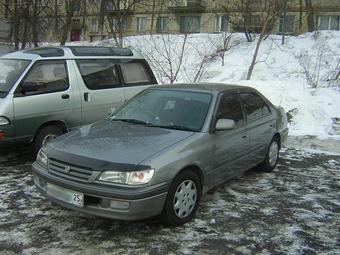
(278,74)
(280,71)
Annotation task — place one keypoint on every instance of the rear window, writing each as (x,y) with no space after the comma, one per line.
(136,73)
(99,74)
(254,105)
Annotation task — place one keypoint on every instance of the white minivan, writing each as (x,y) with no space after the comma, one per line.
(45,92)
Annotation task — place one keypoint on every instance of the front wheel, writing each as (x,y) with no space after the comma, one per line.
(272,156)
(182,199)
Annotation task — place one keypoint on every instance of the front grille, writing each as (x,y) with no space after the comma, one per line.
(70,171)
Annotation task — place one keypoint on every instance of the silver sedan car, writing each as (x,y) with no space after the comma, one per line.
(159,152)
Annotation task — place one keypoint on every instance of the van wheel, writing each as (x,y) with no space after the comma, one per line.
(46,135)
(272,157)
(182,199)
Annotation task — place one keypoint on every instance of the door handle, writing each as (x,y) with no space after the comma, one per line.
(244,136)
(87,97)
(65,96)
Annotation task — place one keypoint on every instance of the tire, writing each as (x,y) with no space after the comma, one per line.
(272,156)
(45,135)
(175,211)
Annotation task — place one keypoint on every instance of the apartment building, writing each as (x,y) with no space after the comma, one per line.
(91,21)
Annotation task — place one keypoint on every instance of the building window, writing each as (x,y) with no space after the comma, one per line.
(162,24)
(141,24)
(287,24)
(221,23)
(94,25)
(190,24)
(327,22)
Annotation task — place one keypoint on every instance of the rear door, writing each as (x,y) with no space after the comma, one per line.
(137,76)
(231,147)
(101,88)
(53,100)
(260,123)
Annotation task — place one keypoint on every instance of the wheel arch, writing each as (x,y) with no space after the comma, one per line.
(59,123)
(195,169)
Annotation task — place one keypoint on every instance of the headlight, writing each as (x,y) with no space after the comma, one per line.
(131,178)
(42,158)
(4,121)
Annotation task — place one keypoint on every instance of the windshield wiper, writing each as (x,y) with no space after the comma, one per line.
(177,127)
(134,121)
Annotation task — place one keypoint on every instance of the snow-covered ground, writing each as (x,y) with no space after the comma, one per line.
(278,74)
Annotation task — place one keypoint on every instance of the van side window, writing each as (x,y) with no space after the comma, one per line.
(135,73)
(50,76)
(99,74)
(254,105)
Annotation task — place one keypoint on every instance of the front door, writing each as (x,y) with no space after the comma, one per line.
(52,101)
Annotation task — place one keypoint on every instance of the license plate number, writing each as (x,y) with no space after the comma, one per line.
(65,195)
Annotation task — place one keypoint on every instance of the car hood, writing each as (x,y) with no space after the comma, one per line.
(105,145)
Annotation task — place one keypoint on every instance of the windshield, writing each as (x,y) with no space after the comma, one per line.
(10,71)
(174,109)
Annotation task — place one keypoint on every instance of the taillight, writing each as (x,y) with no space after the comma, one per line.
(2,134)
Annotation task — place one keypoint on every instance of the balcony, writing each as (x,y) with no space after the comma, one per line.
(186,6)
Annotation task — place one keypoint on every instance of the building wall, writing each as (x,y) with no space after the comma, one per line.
(206,10)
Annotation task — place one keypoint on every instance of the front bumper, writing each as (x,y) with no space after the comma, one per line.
(129,203)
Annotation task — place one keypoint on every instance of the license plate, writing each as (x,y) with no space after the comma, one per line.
(65,195)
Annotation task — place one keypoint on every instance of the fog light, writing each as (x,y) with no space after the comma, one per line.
(119,204)
(2,135)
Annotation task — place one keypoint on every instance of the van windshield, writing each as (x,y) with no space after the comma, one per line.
(10,71)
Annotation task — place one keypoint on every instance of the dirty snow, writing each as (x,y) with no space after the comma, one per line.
(294,210)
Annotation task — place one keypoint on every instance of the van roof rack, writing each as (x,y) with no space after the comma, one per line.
(46,52)
(101,51)
(80,51)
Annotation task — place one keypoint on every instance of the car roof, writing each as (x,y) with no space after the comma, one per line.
(74,52)
(214,88)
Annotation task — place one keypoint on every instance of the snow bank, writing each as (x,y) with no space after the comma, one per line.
(278,73)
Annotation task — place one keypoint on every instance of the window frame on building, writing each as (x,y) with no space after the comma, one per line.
(221,23)
(141,23)
(330,19)
(185,26)
(287,24)
(162,24)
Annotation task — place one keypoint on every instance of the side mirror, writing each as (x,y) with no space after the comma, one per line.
(29,87)
(224,124)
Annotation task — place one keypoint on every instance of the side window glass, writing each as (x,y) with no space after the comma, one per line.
(135,73)
(50,76)
(99,74)
(230,108)
(254,105)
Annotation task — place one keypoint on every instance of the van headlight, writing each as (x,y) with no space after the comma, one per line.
(130,178)
(4,121)
(42,158)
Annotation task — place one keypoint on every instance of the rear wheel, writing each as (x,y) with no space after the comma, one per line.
(183,199)
(45,135)
(272,156)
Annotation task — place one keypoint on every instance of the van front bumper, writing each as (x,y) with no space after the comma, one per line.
(101,200)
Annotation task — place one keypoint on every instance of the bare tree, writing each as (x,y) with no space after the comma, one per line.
(271,12)
(69,10)
(117,12)
(239,15)
(310,15)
